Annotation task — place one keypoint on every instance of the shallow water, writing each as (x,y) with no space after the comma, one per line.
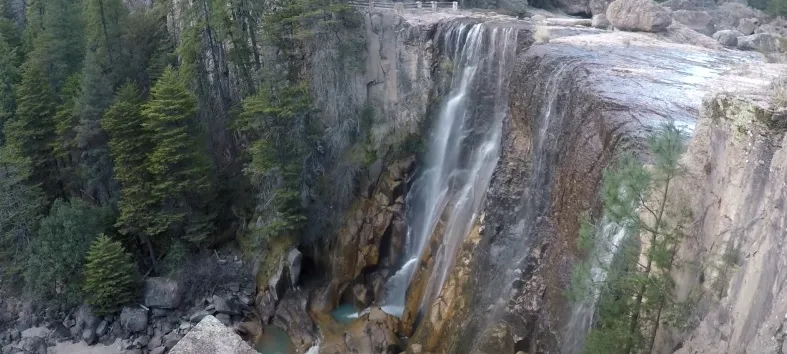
(274,341)
(344,314)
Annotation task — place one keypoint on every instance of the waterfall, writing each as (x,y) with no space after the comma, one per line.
(463,149)
(583,311)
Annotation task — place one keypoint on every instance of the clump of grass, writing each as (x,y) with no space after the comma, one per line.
(541,35)
(779,92)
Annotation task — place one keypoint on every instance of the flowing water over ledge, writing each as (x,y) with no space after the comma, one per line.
(464,147)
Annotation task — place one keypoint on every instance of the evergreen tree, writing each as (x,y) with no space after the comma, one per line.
(130,145)
(56,259)
(635,295)
(59,46)
(64,145)
(282,124)
(179,166)
(8,78)
(109,276)
(31,131)
(21,206)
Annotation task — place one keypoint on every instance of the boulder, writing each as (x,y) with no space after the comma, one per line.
(102,328)
(266,306)
(171,339)
(600,21)
(158,350)
(748,25)
(727,38)
(211,337)
(294,259)
(277,284)
(162,293)
(89,336)
(224,318)
(699,21)
(83,319)
(761,42)
(638,15)
(229,306)
(134,319)
(198,316)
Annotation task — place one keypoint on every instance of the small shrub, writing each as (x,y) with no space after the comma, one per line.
(109,276)
(541,35)
(779,92)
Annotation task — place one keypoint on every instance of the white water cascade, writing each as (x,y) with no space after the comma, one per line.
(464,147)
(583,312)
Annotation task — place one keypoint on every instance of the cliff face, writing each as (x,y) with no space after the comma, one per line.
(575,103)
(734,268)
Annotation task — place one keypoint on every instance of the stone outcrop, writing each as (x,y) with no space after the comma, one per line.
(761,42)
(748,25)
(373,234)
(735,190)
(638,15)
(211,337)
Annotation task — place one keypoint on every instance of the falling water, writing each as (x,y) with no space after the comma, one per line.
(464,148)
(583,311)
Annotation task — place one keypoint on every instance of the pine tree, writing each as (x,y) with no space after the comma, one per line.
(58,47)
(31,131)
(129,146)
(634,296)
(109,276)
(8,78)
(178,163)
(56,258)
(21,207)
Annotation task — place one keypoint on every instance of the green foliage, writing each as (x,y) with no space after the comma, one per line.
(283,124)
(20,209)
(129,146)
(635,298)
(178,163)
(109,276)
(56,257)
(31,131)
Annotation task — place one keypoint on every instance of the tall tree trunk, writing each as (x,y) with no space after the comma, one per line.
(653,238)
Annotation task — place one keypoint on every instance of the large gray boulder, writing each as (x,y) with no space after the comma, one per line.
(212,337)
(699,21)
(761,42)
(134,319)
(748,25)
(727,38)
(638,15)
(162,293)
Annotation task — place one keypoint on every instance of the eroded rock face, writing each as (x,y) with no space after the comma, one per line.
(748,25)
(735,189)
(376,220)
(596,96)
(638,15)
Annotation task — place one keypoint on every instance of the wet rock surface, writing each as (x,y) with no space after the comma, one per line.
(599,92)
